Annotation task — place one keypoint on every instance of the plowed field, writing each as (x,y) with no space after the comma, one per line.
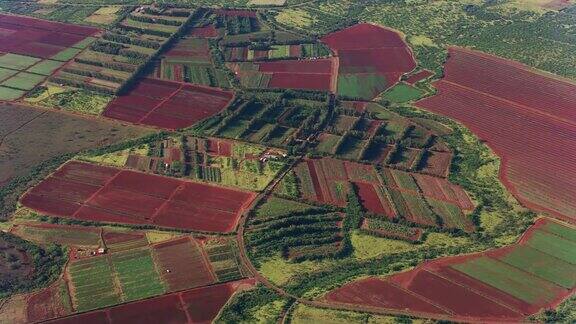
(526,117)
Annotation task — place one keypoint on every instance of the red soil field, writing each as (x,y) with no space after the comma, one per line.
(370,200)
(454,297)
(219,147)
(366,48)
(381,294)
(311,81)
(127,197)
(39,38)
(384,60)
(526,117)
(295,50)
(452,291)
(207,31)
(167,104)
(184,258)
(418,76)
(45,304)
(200,305)
(363,36)
(297,66)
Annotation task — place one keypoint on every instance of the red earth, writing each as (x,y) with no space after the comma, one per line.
(167,104)
(419,76)
(455,295)
(315,74)
(370,200)
(80,191)
(365,49)
(199,305)
(525,116)
(39,38)
(207,32)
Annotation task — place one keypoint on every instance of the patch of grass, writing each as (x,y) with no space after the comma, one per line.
(45,67)
(17,62)
(104,15)
(10,94)
(403,92)
(279,270)
(295,17)
(66,55)
(363,86)
(23,81)
(275,206)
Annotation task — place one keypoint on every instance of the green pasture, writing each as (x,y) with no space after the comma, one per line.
(403,92)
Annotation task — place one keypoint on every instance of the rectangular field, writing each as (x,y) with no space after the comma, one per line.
(182,264)
(104,194)
(166,104)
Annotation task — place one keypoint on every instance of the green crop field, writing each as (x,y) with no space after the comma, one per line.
(276,206)
(554,245)
(10,94)
(17,62)
(404,180)
(23,81)
(419,210)
(509,279)
(137,274)
(403,92)
(93,283)
(66,54)
(542,265)
(452,216)
(364,86)
(61,236)
(566,232)
(6,73)
(327,143)
(45,67)
(279,51)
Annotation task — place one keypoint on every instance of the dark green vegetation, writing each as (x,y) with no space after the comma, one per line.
(25,266)
(271,118)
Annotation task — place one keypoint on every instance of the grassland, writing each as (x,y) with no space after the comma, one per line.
(402,92)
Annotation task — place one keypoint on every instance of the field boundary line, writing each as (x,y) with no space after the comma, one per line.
(85,203)
(163,101)
(184,308)
(176,190)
